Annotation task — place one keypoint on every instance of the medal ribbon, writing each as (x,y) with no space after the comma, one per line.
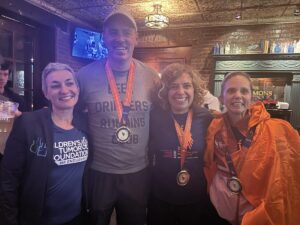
(243,141)
(115,92)
(184,137)
(230,165)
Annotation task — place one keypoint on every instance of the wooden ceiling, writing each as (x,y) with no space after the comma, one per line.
(182,13)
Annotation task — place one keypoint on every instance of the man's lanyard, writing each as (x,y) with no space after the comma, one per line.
(184,136)
(122,110)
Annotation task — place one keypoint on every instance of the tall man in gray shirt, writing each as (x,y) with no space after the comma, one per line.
(116,93)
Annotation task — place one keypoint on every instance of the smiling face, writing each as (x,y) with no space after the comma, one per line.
(61,90)
(120,38)
(236,96)
(181,94)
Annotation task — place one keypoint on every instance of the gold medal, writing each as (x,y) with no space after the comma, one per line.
(186,142)
(183,178)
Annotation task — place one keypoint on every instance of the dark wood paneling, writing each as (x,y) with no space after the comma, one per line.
(159,58)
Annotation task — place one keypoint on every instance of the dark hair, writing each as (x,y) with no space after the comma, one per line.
(5,66)
(228,76)
(170,74)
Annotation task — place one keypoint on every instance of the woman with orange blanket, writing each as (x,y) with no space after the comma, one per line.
(252,161)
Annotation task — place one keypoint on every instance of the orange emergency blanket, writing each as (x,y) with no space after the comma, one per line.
(270,174)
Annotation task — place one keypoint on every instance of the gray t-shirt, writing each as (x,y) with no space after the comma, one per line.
(109,155)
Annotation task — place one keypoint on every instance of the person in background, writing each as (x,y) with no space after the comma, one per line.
(178,127)
(42,169)
(252,161)
(211,102)
(116,94)
(7,94)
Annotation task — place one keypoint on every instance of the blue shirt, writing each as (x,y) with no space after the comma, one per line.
(64,188)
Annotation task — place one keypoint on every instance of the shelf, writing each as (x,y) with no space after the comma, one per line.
(262,56)
(284,114)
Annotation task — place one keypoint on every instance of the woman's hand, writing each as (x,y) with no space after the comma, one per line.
(17,113)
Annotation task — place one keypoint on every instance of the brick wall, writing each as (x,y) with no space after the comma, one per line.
(202,41)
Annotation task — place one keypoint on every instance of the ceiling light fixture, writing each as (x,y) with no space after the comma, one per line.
(238,16)
(297,11)
(156,20)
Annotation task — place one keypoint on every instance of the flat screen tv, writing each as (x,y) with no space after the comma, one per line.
(88,44)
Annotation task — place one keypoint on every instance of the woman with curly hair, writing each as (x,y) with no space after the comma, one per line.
(178,127)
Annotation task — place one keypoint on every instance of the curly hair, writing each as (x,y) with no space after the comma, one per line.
(173,72)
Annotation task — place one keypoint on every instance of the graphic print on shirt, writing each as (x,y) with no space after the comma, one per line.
(139,108)
(136,108)
(70,152)
(175,153)
(38,147)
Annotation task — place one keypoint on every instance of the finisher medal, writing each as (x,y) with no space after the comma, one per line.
(123,134)
(186,141)
(183,178)
(234,185)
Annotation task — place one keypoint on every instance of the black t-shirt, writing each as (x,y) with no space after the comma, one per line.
(164,147)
